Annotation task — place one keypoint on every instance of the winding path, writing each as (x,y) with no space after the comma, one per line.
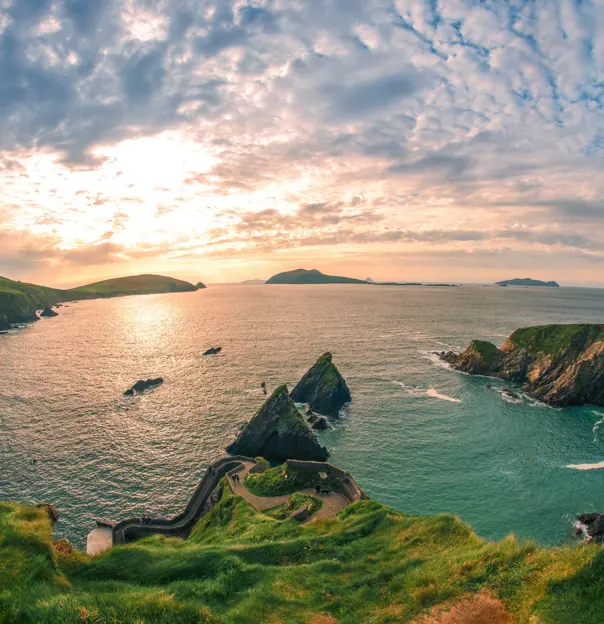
(332,502)
(108,534)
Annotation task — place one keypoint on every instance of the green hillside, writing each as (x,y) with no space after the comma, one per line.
(19,300)
(369,565)
(312,276)
(527,281)
(135,285)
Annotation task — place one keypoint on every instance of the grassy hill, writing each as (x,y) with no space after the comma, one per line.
(19,300)
(369,565)
(312,276)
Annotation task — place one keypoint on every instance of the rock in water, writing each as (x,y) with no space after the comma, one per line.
(323,388)
(558,364)
(200,285)
(278,432)
(213,351)
(51,510)
(142,385)
(316,421)
(48,311)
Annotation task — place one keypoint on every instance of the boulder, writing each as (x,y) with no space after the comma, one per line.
(278,432)
(323,388)
(144,384)
(213,351)
(48,312)
(316,421)
(594,522)
(51,510)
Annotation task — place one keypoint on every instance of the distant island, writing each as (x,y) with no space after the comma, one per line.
(527,281)
(253,282)
(20,301)
(312,276)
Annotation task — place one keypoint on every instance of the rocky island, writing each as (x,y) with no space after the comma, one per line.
(527,281)
(560,365)
(278,431)
(323,388)
(312,276)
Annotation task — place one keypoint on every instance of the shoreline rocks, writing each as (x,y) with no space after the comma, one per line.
(592,524)
(51,510)
(278,432)
(48,312)
(142,385)
(561,365)
(323,388)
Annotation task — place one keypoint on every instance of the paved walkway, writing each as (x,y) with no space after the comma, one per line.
(332,502)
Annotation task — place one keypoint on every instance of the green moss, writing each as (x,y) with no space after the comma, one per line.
(487,350)
(296,501)
(557,340)
(285,479)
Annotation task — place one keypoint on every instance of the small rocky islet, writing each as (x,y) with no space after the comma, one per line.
(560,365)
(280,431)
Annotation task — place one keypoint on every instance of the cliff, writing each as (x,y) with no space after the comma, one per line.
(323,388)
(558,364)
(370,563)
(278,432)
(312,276)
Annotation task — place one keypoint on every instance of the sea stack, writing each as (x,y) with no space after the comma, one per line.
(560,365)
(323,388)
(48,312)
(200,285)
(278,432)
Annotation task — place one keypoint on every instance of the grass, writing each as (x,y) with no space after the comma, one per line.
(487,350)
(285,479)
(370,564)
(296,502)
(557,340)
(19,301)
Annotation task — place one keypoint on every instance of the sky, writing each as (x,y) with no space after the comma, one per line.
(457,140)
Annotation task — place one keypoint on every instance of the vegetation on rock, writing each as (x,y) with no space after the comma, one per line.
(527,281)
(558,364)
(278,432)
(323,387)
(287,479)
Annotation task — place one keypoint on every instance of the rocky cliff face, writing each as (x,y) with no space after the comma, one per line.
(323,388)
(278,432)
(558,364)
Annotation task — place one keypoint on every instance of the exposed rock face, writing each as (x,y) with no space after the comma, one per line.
(558,364)
(51,510)
(594,524)
(278,432)
(142,385)
(316,421)
(213,351)
(323,388)
(48,311)
(5,325)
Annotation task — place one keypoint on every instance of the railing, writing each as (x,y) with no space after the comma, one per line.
(181,524)
(351,489)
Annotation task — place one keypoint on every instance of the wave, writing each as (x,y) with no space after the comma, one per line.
(596,426)
(597,466)
(443,397)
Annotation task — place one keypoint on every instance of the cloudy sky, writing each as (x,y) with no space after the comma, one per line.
(232,139)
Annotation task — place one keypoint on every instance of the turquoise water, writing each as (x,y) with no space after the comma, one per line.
(417,436)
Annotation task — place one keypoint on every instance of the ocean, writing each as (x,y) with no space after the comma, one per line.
(417,436)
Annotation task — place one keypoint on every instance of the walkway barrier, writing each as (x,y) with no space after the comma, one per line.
(351,489)
(182,524)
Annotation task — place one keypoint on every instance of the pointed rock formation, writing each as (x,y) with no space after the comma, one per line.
(48,311)
(278,432)
(323,388)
